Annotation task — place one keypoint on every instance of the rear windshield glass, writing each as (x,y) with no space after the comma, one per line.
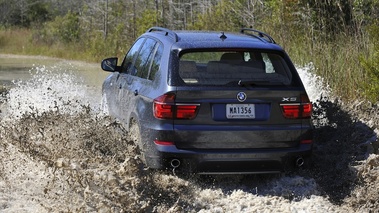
(234,68)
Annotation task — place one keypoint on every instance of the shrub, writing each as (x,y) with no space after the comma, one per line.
(370,64)
(63,29)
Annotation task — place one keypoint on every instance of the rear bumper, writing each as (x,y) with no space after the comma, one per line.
(246,161)
(226,159)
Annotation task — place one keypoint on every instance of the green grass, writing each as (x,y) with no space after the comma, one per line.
(19,41)
(14,41)
(337,62)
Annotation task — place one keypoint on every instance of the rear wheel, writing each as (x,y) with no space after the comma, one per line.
(135,137)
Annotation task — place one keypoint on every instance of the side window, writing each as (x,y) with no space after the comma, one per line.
(126,66)
(145,57)
(156,61)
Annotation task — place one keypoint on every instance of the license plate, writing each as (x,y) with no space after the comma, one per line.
(240,111)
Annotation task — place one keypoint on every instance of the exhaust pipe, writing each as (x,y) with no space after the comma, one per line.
(175,163)
(299,162)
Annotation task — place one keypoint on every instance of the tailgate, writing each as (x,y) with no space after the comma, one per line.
(227,120)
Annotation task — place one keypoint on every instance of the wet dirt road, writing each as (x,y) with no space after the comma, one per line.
(60,152)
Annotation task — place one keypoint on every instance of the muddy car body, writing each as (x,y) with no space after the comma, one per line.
(211,102)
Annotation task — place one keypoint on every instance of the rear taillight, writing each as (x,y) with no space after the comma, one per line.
(298,110)
(163,143)
(166,108)
(186,111)
(306,141)
(163,106)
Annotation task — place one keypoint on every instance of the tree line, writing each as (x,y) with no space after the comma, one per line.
(329,33)
(83,19)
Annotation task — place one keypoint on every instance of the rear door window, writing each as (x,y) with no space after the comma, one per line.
(126,66)
(156,62)
(145,57)
(234,68)
(146,61)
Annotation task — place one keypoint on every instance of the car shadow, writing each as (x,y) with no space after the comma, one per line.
(339,144)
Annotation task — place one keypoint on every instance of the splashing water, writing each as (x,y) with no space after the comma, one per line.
(314,84)
(49,90)
(60,152)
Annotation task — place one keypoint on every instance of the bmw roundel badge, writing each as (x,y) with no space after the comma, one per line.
(241,96)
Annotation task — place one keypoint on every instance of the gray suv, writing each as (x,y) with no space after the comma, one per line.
(211,102)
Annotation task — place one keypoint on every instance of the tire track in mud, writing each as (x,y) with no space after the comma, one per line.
(58,159)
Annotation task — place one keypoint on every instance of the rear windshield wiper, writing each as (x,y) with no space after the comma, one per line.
(251,83)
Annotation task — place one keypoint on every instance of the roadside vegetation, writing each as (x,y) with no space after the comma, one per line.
(339,38)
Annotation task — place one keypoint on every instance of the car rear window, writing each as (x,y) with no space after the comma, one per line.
(234,68)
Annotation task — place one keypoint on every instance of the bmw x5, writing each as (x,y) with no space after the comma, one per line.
(211,102)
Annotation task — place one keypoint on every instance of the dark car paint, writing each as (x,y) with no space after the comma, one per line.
(208,142)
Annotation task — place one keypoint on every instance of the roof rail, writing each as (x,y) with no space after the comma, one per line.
(261,35)
(166,31)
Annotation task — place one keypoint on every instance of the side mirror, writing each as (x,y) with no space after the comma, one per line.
(110,64)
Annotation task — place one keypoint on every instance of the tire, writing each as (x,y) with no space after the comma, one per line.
(135,139)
